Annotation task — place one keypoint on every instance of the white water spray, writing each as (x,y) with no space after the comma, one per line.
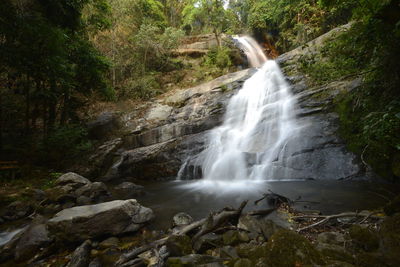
(258,122)
(253,51)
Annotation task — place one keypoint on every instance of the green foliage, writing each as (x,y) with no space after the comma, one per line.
(143,87)
(47,65)
(63,144)
(201,16)
(150,11)
(218,57)
(370,115)
(294,22)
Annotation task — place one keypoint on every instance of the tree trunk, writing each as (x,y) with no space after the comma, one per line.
(217,37)
(52,114)
(27,109)
(64,111)
(1,124)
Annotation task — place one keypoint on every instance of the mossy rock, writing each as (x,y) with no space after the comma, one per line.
(370,259)
(179,245)
(396,164)
(191,260)
(243,263)
(252,251)
(390,240)
(393,206)
(233,237)
(338,264)
(335,253)
(287,248)
(364,238)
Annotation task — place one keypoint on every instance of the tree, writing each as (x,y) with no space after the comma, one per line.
(47,62)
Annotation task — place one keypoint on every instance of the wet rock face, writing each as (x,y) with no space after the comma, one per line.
(173,130)
(108,218)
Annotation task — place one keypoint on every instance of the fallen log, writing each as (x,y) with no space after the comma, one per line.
(326,218)
(214,221)
(206,225)
(274,200)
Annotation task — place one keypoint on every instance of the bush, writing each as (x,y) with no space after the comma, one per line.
(218,57)
(63,145)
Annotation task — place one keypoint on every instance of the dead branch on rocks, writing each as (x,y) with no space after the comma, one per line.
(326,218)
(210,224)
(214,221)
(273,199)
(261,212)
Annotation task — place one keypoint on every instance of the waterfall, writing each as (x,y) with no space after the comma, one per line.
(256,126)
(253,51)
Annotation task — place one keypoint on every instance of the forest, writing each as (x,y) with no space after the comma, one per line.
(129,92)
(56,55)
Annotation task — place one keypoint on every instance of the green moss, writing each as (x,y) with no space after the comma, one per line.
(368,259)
(371,128)
(243,263)
(287,248)
(390,240)
(393,206)
(364,238)
(337,255)
(179,245)
(234,237)
(251,251)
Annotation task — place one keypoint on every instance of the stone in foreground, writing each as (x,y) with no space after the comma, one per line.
(108,218)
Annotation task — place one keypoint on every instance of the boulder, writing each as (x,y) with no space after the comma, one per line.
(233,237)
(258,227)
(181,218)
(108,218)
(72,179)
(33,238)
(288,248)
(333,238)
(17,210)
(81,256)
(252,251)
(96,191)
(192,260)
(243,263)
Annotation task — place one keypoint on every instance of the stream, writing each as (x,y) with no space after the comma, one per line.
(199,198)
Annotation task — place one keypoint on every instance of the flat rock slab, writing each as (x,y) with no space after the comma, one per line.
(108,218)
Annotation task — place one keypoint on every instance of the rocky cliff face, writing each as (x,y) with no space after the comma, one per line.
(169,132)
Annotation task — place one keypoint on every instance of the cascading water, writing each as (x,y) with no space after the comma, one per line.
(253,51)
(257,124)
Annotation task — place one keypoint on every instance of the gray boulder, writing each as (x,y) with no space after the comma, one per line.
(81,256)
(72,179)
(33,238)
(181,218)
(108,218)
(96,192)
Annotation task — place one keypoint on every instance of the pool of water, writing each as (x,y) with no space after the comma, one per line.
(199,198)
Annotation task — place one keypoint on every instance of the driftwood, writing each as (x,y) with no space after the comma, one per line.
(207,225)
(261,212)
(274,200)
(214,221)
(326,218)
